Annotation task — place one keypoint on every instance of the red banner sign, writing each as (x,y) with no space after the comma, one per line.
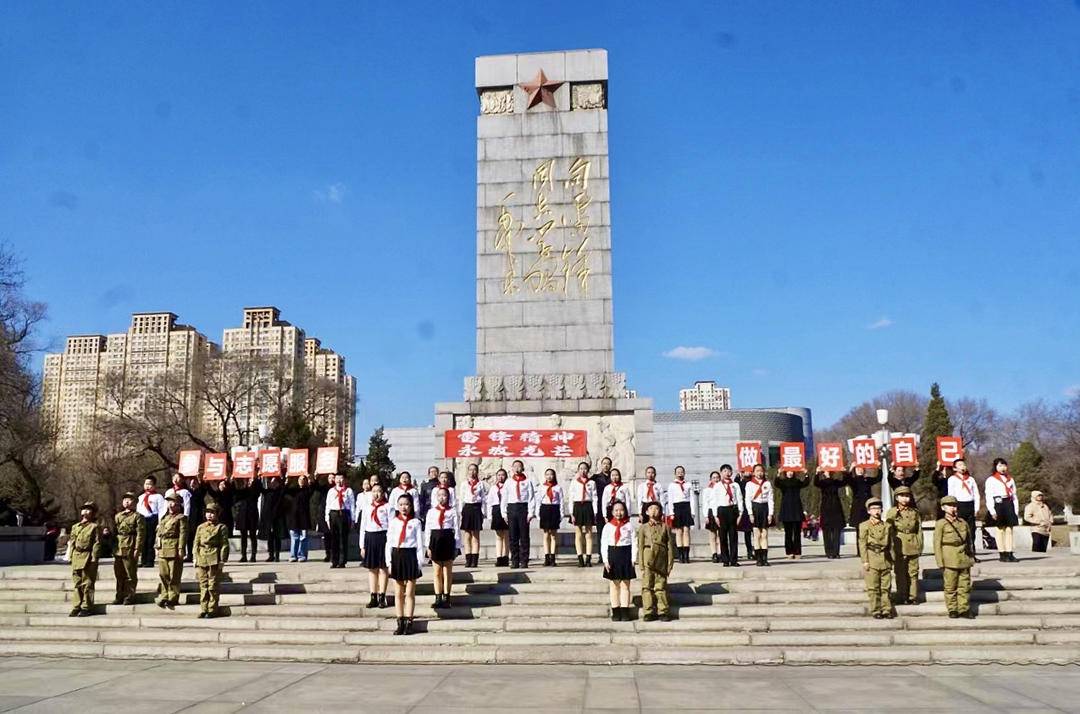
(216,467)
(298,463)
(830,457)
(949,449)
(865,453)
(747,455)
(792,456)
(516,443)
(270,463)
(243,464)
(189,463)
(905,451)
(326,459)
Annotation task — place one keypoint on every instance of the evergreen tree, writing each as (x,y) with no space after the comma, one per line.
(936,423)
(377,463)
(292,431)
(1024,466)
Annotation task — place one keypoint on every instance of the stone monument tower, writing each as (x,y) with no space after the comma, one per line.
(544,344)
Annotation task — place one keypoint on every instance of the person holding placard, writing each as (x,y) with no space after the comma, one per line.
(832,509)
(862,489)
(245,505)
(1003,506)
(791,485)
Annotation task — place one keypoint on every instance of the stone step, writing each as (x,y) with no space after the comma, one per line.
(396,653)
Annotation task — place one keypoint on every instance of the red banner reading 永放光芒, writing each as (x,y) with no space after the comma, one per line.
(516,443)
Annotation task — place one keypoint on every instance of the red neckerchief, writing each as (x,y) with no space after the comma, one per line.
(442,515)
(498,488)
(472,488)
(584,488)
(614,492)
(375,512)
(1008,488)
(682,485)
(551,493)
(517,482)
(730,493)
(340,497)
(404,527)
(651,492)
(760,487)
(964,479)
(618,528)
(146,498)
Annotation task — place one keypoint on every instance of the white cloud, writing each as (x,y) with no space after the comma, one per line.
(1072,391)
(880,324)
(334,193)
(690,354)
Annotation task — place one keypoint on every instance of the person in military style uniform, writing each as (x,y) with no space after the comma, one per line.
(655,557)
(952,550)
(875,548)
(907,545)
(130,530)
(85,553)
(211,550)
(171,536)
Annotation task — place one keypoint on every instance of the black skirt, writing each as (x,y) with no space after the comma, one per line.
(374,550)
(442,545)
(761,515)
(584,517)
(472,517)
(498,523)
(550,516)
(621,563)
(710,522)
(684,517)
(403,565)
(1006,514)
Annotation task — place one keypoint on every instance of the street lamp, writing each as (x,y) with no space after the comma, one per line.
(881,439)
(695,488)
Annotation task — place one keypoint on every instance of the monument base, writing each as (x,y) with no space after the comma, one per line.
(621,429)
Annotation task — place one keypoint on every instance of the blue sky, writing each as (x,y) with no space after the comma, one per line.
(832,199)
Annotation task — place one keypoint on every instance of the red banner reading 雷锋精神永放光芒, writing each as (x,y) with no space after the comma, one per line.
(516,443)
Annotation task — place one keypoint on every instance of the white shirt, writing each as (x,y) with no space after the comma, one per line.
(1000,488)
(373,518)
(449,522)
(397,492)
(339,499)
(402,533)
(493,499)
(965,490)
(185,495)
(518,491)
(626,535)
(554,499)
(727,494)
(708,497)
(620,492)
(584,493)
(473,492)
(680,492)
(151,504)
(759,493)
(658,494)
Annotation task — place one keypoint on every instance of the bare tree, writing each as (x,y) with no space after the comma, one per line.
(906,412)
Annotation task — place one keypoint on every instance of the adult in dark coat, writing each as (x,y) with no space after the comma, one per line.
(196,513)
(601,480)
(832,510)
(246,514)
(272,518)
(221,493)
(297,507)
(862,488)
(319,489)
(790,485)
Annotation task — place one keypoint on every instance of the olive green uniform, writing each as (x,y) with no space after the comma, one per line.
(953,557)
(130,530)
(211,549)
(655,557)
(875,545)
(85,553)
(907,547)
(171,537)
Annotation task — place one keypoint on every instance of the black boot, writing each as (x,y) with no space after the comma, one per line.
(616,614)
(757,557)
(553,563)
(382,601)
(588,561)
(408,626)
(765,557)
(686,554)
(400,626)
(581,561)
(1013,558)
(373,601)
(1001,557)
(438,602)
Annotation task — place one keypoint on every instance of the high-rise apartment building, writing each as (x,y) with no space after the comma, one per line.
(99,374)
(704,396)
(330,394)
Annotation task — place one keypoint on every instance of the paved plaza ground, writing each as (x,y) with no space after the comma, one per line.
(95,685)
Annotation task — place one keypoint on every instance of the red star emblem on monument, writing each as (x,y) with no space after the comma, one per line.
(541,89)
